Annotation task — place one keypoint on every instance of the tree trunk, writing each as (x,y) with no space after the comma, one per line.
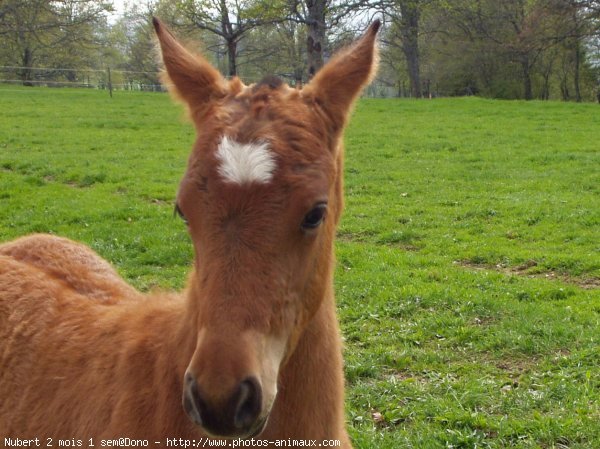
(545,95)
(564,89)
(315,42)
(577,51)
(26,72)
(409,28)
(231,56)
(528,91)
(576,69)
(230,39)
(298,78)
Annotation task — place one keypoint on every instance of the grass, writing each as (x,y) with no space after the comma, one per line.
(468,256)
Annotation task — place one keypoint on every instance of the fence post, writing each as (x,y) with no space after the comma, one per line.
(109,83)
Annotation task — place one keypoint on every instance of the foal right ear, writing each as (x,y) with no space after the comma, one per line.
(337,85)
(194,80)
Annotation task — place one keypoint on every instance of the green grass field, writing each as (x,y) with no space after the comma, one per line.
(468,258)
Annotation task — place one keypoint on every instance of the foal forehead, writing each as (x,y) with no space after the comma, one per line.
(245,163)
(267,130)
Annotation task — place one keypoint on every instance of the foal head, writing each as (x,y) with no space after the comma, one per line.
(261,196)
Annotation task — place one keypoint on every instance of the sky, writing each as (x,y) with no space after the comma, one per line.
(119,6)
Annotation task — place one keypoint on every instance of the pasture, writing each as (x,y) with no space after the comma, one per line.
(468,256)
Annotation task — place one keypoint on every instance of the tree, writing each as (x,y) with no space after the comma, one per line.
(230,20)
(312,13)
(38,31)
(406,19)
(292,37)
(278,49)
(581,20)
(320,16)
(524,33)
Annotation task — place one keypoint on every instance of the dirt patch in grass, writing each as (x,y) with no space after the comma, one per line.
(160,202)
(587,283)
(515,367)
(394,240)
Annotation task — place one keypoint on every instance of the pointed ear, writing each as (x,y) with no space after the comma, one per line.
(190,77)
(335,87)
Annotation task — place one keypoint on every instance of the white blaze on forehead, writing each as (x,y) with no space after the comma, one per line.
(245,162)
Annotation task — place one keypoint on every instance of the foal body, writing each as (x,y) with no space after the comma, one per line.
(252,347)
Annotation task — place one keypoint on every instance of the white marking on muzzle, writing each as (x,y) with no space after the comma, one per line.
(245,162)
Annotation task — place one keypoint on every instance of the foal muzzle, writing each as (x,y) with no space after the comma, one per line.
(237,415)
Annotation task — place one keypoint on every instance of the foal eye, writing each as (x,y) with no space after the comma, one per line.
(177,211)
(315,217)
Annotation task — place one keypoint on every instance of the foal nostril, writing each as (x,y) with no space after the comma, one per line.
(193,404)
(249,403)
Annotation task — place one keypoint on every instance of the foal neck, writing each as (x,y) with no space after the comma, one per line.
(311,384)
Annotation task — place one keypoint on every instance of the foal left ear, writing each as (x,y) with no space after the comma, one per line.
(194,80)
(335,87)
